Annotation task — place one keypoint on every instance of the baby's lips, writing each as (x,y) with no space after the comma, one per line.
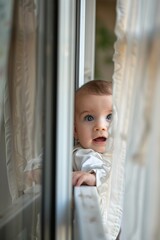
(100,139)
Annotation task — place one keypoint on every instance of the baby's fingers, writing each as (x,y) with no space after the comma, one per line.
(75,177)
(81,180)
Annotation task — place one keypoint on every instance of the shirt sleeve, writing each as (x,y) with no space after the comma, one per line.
(34,163)
(88,160)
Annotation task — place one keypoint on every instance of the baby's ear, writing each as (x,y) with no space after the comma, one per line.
(75,133)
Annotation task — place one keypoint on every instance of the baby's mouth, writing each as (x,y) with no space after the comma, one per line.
(100,139)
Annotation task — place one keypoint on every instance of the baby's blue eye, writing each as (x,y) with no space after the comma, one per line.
(89,118)
(109,117)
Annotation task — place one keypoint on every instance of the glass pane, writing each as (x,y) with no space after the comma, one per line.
(21,121)
(105,38)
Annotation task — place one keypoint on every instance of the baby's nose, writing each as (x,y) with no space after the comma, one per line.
(100,127)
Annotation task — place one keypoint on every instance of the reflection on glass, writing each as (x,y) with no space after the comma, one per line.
(21,109)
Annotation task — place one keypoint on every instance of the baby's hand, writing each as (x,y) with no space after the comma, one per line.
(83,178)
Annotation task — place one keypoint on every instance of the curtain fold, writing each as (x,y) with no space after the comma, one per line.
(21,106)
(136,100)
(6,11)
(22,101)
(21,86)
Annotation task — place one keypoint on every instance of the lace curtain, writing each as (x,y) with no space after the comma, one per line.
(136,105)
(21,97)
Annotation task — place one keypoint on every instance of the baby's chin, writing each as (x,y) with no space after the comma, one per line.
(99,149)
(96,148)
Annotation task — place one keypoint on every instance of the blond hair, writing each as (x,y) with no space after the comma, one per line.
(96,87)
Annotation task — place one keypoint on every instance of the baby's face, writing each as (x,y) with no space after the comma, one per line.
(92,118)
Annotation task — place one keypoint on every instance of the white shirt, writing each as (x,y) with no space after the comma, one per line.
(88,160)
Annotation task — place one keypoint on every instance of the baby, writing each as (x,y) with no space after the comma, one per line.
(93,114)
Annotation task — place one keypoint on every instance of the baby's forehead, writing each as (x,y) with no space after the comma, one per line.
(84,93)
(83,96)
(91,101)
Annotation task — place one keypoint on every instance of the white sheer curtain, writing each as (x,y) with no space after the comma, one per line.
(5,30)
(24,94)
(21,99)
(136,104)
(21,108)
